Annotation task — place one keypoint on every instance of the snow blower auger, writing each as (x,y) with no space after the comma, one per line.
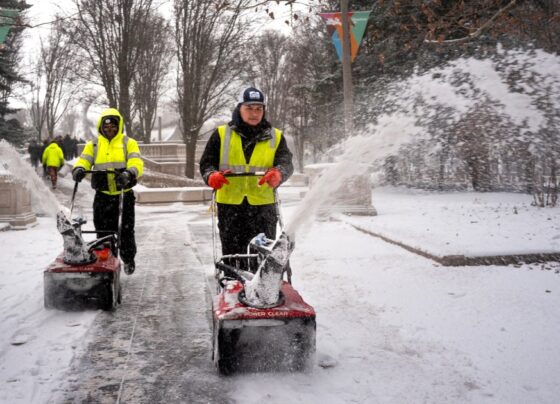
(260,322)
(86,274)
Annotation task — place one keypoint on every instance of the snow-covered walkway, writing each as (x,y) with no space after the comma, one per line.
(392,326)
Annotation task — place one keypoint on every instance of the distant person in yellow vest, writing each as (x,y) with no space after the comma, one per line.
(53,159)
(119,154)
(246,144)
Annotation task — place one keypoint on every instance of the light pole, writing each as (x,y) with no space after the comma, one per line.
(347,70)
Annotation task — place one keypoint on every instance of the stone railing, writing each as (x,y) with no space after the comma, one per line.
(163,151)
(15,203)
(167,158)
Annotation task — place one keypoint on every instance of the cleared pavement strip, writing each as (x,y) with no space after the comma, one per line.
(156,347)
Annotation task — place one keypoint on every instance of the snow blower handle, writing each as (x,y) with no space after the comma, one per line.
(121,203)
(276,199)
(76,187)
(101,171)
(254,174)
(214,209)
(73,198)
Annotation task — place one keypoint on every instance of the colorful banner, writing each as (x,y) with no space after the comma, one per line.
(8,18)
(358,22)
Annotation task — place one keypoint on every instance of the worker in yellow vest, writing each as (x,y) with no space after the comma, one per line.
(119,154)
(248,143)
(53,159)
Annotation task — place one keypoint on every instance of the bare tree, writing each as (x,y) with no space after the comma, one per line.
(209,38)
(37,110)
(312,92)
(155,55)
(107,31)
(57,60)
(269,71)
(69,122)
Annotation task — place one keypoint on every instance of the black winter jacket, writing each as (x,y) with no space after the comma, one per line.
(210,160)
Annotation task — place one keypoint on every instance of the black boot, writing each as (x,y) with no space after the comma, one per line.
(129,267)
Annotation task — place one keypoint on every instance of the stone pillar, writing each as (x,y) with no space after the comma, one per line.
(15,203)
(352,198)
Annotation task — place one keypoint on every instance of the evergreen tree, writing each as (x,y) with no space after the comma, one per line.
(10,128)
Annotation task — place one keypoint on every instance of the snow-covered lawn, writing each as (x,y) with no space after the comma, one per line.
(470,224)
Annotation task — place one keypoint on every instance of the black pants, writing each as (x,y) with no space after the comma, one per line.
(106,217)
(238,224)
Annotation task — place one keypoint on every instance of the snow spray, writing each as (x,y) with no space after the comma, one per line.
(380,141)
(264,289)
(42,198)
(457,88)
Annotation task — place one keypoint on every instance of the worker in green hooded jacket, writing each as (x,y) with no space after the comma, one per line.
(117,159)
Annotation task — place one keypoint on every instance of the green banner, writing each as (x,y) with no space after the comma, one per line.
(358,21)
(8,18)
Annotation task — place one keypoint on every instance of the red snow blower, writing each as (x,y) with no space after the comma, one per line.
(84,275)
(260,322)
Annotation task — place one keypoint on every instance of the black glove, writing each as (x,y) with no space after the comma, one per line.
(123,179)
(78,174)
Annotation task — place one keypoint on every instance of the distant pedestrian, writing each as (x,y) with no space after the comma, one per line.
(74,151)
(35,152)
(67,147)
(53,159)
(44,145)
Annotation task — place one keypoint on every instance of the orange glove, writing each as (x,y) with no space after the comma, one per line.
(272,177)
(217,179)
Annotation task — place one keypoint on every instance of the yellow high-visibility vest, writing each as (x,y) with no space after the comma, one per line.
(232,158)
(118,153)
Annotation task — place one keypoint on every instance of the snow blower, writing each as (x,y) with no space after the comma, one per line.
(85,274)
(260,322)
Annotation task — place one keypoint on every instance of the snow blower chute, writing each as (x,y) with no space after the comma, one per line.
(84,275)
(260,322)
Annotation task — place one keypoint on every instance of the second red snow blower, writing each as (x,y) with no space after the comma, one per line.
(85,274)
(260,322)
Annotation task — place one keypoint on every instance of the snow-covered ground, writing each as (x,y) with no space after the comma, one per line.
(391,326)
(462,223)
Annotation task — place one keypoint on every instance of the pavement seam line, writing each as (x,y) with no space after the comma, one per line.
(132,336)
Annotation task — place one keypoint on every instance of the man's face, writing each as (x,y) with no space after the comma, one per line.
(252,114)
(109,129)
